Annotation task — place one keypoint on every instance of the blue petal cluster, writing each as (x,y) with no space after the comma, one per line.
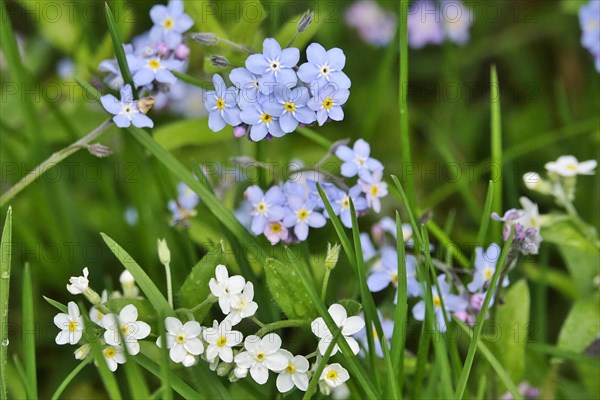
(286,212)
(589,19)
(271,96)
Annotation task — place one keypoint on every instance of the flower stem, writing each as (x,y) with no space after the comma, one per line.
(51,161)
(259,322)
(325,282)
(235,45)
(209,300)
(288,323)
(169,285)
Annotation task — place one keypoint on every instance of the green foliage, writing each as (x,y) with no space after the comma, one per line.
(288,291)
(580,328)
(5,260)
(188,132)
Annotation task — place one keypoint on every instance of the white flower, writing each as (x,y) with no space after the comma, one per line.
(220,340)
(71,325)
(242,305)
(262,355)
(569,166)
(95,314)
(113,355)
(295,374)
(183,340)
(79,284)
(126,325)
(126,279)
(225,287)
(349,327)
(334,375)
(531,214)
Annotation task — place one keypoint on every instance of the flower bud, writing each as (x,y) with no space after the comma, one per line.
(306,20)
(99,150)
(189,360)
(126,279)
(182,51)
(219,61)
(240,373)
(164,255)
(205,38)
(224,368)
(333,254)
(239,131)
(163,49)
(83,351)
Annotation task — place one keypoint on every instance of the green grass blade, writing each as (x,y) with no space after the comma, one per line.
(400,314)
(315,137)
(403,104)
(496,141)
(63,385)
(466,371)
(486,216)
(320,367)
(493,361)
(562,353)
(138,387)
(192,80)
(29,340)
(118,45)
(410,211)
(142,279)
(422,356)
(447,243)
(176,383)
(5,260)
(59,306)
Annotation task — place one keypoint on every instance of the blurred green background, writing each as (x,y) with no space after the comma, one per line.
(550,97)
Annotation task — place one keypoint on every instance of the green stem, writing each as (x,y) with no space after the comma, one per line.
(52,161)
(258,322)
(325,282)
(169,284)
(209,300)
(288,323)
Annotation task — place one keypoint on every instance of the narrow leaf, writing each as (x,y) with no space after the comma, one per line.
(5,260)
(118,45)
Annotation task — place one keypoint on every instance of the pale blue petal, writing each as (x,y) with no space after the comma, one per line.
(257,64)
(121,121)
(288,123)
(143,77)
(141,121)
(258,132)
(316,54)
(111,104)
(290,57)
(232,116)
(336,58)
(301,231)
(215,121)
(165,76)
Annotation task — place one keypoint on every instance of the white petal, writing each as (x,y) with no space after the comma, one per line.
(301,381)
(192,329)
(194,346)
(353,325)
(276,361)
(73,310)
(319,328)
(142,331)
(236,284)
(271,343)
(338,313)
(173,325)
(353,345)
(177,353)
(259,373)
(284,383)
(129,313)
(244,359)
(221,273)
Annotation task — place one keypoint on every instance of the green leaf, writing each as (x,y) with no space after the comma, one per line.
(496,145)
(246,28)
(59,306)
(142,279)
(63,385)
(288,291)
(580,328)
(582,257)
(188,132)
(203,13)
(118,45)
(5,259)
(29,340)
(352,307)
(512,320)
(195,288)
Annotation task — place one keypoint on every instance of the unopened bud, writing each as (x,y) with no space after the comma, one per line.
(83,351)
(99,150)
(224,368)
(305,20)
(164,255)
(145,104)
(189,360)
(126,279)
(182,51)
(219,61)
(239,131)
(163,49)
(333,254)
(205,38)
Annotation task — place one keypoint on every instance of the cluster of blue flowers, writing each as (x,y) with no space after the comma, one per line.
(151,57)
(184,206)
(589,19)
(286,212)
(431,23)
(383,259)
(272,96)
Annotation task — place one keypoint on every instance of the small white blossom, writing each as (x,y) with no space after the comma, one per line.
(225,287)
(349,326)
(71,325)
(127,326)
(79,284)
(295,374)
(262,355)
(242,305)
(334,375)
(95,314)
(114,356)
(183,340)
(374,189)
(221,339)
(569,166)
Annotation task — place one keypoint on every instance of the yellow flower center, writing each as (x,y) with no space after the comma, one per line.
(346,202)
(124,330)
(572,167)
(276,227)
(303,214)
(180,338)
(261,207)
(332,375)
(487,273)
(220,104)
(327,103)
(222,341)
(260,356)
(395,279)
(110,352)
(290,369)
(168,24)
(72,326)
(266,118)
(374,190)
(437,301)
(154,64)
(289,106)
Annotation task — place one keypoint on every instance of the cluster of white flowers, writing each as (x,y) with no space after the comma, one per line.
(228,353)
(121,331)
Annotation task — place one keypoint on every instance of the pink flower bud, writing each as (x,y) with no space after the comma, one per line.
(182,51)
(476,301)
(239,131)
(162,49)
